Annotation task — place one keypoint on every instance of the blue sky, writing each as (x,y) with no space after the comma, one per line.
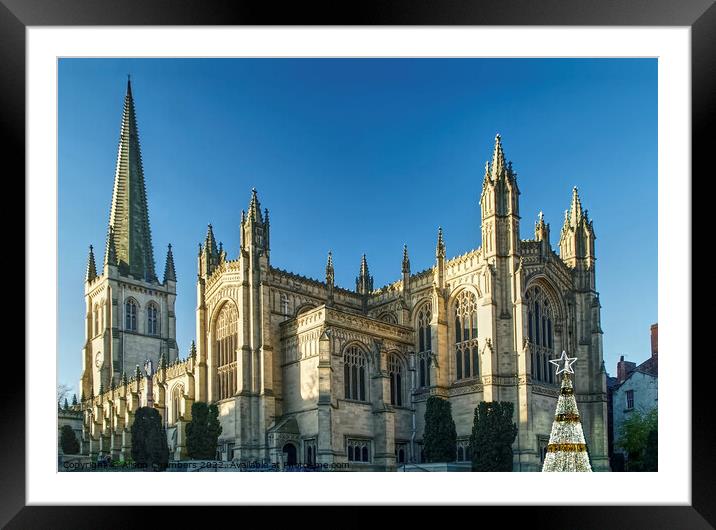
(362,155)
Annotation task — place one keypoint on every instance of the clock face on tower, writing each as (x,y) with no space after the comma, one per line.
(98,359)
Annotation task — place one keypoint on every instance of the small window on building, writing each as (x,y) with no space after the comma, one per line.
(629,399)
(401,452)
(358,450)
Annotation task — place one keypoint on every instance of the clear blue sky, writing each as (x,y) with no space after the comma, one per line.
(362,155)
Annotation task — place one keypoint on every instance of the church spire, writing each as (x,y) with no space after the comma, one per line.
(364,282)
(110,253)
(330,273)
(440,248)
(576,242)
(406,260)
(255,207)
(91,267)
(575,208)
(129,215)
(498,158)
(169,271)
(210,242)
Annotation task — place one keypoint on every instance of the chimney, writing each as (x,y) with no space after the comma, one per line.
(655,340)
(624,368)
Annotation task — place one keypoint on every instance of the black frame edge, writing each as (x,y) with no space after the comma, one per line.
(698,15)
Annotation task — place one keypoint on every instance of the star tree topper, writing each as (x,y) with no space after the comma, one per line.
(568,362)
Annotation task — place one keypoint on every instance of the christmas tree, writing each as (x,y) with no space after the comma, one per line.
(567,450)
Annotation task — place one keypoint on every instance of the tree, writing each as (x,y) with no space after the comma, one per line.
(149,440)
(634,438)
(202,432)
(440,437)
(567,449)
(62,391)
(493,433)
(68,441)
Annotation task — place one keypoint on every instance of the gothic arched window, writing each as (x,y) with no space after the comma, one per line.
(152,319)
(424,345)
(225,346)
(130,313)
(397,378)
(466,350)
(354,373)
(388,317)
(540,318)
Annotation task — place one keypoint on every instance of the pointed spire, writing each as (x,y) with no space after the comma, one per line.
(124,379)
(440,248)
(192,350)
(169,271)
(129,215)
(74,399)
(575,209)
(137,373)
(364,282)
(541,229)
(210,242)
(330,273)
(91,273)
(406,260)
(498,158)
(110,253)
(254,206)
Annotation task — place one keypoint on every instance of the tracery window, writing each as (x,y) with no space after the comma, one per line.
(354,373)
(358,450)
(130,312)
(388,317)
(466,349)
(540,318)
(424,345)
(152,320)
(397,378)
(225,350)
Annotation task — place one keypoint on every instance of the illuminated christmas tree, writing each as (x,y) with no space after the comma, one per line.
(567,450)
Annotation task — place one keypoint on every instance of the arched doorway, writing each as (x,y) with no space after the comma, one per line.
(290,451)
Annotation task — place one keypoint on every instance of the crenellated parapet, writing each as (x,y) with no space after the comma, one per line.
(219,272)
(108,416)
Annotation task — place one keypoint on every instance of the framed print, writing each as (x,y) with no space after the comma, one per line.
(429,240)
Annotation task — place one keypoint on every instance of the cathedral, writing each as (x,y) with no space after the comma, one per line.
(304,371)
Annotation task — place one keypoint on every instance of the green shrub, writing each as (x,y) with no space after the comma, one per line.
(440,437)
(493,433)
(202,432)
(149,439)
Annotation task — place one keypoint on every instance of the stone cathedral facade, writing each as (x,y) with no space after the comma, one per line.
(305,371)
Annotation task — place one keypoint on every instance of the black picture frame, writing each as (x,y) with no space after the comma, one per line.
(699,15)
